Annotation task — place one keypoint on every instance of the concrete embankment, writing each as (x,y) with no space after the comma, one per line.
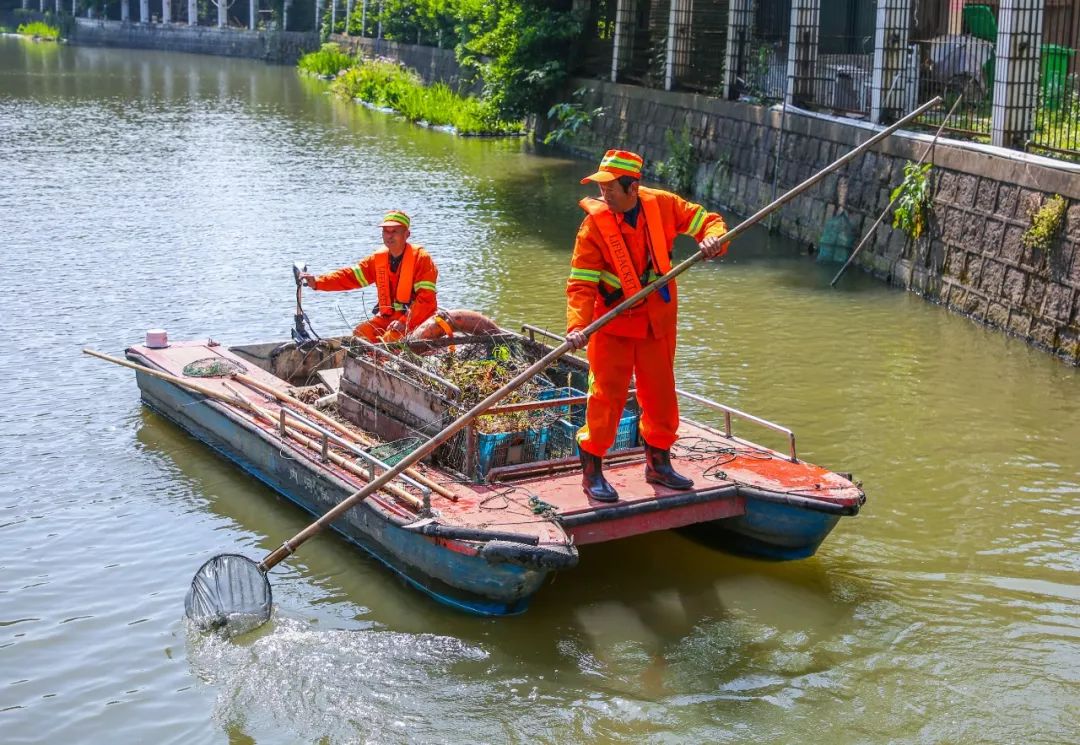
(281,47)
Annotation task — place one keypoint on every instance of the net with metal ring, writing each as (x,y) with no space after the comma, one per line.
(213,367)
(230,593)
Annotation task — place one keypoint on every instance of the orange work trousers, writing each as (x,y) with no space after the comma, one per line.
(612,360)
(374,330)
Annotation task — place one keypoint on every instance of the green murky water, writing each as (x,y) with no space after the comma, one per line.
(144,190)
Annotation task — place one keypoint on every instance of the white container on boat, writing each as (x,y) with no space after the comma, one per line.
(157,339)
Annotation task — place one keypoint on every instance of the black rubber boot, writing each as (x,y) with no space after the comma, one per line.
(658,469)
(593,481)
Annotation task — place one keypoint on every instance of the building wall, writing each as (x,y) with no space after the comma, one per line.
(972,259)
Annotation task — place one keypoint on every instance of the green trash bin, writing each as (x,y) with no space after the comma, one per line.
(1055,74)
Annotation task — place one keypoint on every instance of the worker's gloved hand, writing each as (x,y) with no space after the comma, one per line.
(577,339)
(712,247)
(306,279)
(396,327)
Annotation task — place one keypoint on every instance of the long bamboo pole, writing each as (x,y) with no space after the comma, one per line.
(250,407)
(289,546)
(303,434)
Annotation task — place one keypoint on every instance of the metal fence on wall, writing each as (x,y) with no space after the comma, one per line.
(758,56)
(1006,69)
(1056,125)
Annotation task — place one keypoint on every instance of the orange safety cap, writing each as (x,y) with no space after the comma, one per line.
(616,163)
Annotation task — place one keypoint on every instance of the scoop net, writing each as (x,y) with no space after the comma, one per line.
(230,593)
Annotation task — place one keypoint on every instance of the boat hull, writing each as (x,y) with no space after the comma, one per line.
(768,530)
(465,581)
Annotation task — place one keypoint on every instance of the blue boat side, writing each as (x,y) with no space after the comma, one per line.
(464,581)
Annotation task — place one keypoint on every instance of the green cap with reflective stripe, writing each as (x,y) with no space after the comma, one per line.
(393,218)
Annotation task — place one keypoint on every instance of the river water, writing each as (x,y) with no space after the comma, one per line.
(142,190)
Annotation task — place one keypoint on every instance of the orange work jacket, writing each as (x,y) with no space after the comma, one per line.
(600,276)
(409,292)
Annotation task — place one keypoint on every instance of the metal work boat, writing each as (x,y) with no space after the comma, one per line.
(484,522)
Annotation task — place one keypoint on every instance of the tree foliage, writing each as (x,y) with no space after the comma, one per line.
(519,48)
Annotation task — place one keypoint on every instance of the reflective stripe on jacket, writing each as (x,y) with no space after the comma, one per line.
(595,267)
(419,291)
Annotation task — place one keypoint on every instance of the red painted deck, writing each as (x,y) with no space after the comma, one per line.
(716,464)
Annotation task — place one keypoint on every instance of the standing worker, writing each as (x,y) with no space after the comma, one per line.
(623,244)
(404,276)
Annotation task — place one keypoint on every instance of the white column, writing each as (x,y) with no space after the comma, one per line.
(144,11)
(253,12)
(678,42)
(125,11)
(222,13)
(333,15)
(956,16)
(740,24)
(318,16)
(58,6)
(74,8)
(166,11)
(802,50)
(42,8)
(348,15)
(889,79)
(363,19)
(285,14)
(192,13)
(623,39)
(1016,71)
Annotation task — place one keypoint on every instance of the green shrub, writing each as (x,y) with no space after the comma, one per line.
(571,116)
(327,62)
(39,30)
(912,198)
(389,85)
(681,164)
(1046,223)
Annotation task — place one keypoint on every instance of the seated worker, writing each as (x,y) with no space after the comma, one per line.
(404,277)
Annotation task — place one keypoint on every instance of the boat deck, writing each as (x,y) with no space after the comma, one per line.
(526,500)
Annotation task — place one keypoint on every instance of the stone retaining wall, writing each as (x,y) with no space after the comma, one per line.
(972,258)
(271,46)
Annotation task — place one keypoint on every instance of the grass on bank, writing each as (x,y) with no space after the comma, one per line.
(390,85)
(39,30)
(327,62)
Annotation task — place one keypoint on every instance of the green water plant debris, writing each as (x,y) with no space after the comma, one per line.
(39,30)
(1046,223)
(912,198)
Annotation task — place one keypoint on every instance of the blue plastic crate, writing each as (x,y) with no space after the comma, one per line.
(509,448)
(573,412)
(562,442)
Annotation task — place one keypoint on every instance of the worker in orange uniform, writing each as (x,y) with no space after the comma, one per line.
(404,277)
(623,244)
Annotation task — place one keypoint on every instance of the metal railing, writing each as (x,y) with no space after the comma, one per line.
(728,411)
(327,437)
